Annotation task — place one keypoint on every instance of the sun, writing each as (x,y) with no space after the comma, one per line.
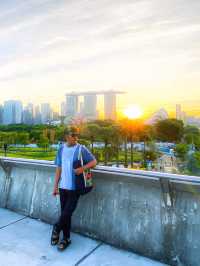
(133,112)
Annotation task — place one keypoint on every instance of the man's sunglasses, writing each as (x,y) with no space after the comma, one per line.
(73,135)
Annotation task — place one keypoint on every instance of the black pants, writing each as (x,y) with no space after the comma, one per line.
(68,203)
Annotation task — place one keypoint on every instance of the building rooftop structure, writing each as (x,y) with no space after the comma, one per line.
(153,214)
(26,241)
(102,92)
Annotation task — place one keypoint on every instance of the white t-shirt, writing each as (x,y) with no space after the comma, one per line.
(66,181)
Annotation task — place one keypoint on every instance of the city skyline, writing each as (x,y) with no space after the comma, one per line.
(169,107)
(147,48)
(74,109)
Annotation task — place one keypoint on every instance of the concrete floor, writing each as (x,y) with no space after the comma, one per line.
(25,241)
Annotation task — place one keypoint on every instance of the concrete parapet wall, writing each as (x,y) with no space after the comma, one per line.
(156,215)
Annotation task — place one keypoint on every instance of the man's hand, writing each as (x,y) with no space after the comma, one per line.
(79,170)
(55,191)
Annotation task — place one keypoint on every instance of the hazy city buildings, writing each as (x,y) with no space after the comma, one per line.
(180,115)
(78,107)
(71,104)
(110,111)
(88,108)
(1,114)
(46,113)
(37,115)
(63,109)
(12,113)
(187,120)
(178,112)
(18,112)
(28,117)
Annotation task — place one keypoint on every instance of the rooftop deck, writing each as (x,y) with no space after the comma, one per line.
(154,215)
(25,241)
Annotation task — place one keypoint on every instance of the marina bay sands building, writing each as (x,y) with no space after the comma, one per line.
(89,106)
(71,104)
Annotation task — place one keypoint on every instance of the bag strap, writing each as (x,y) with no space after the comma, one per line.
(80,157)
(80,154)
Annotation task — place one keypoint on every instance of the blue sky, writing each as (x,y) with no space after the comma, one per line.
(148,48)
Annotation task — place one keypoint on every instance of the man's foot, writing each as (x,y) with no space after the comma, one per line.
(54,236)
(63,244)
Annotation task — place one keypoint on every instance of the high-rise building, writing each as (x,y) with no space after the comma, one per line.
(178,112)
(18,112)
(55,116)
(63,109)
(90,106)
(46,113)
(12,113)
(1,114)
(37,115)
(184,117)
(28,114)
(8,113)
(71,104)
(110,106)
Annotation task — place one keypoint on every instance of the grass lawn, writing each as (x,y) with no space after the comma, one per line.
(30,153)
(41,154)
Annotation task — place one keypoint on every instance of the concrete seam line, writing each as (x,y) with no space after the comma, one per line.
(31,209)
(87,255)
(14,222)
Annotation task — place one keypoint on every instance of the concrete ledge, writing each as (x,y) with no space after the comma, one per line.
(154,214)
(21,190)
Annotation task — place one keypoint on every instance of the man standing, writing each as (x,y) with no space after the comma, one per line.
(65,183)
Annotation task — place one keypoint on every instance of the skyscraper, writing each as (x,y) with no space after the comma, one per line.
(28,114)
(18,107)
(1,114)
(37,115)
(110,106)
(46,113)
(178,112)
(63,110)
(12,113)
(71,104)
(90,106)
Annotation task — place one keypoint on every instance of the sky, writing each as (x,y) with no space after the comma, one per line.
(150,49)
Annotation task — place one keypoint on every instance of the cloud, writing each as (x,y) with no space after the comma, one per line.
(109,42)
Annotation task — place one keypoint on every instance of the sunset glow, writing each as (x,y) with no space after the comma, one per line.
(147,48)
(133,112)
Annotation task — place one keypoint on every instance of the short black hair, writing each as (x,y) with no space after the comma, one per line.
(71,130)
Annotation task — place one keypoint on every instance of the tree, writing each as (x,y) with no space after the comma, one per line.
(106,134)
(170,130)
(146,135)
(8,137)
(181,151)
(193,164)
(43,142)
(134,129)
(59,134)
(117,139)
(192,136)
(125,131)
(91,131)
(22,138)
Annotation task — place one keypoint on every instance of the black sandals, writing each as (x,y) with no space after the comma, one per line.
(54,236)
(63,244)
